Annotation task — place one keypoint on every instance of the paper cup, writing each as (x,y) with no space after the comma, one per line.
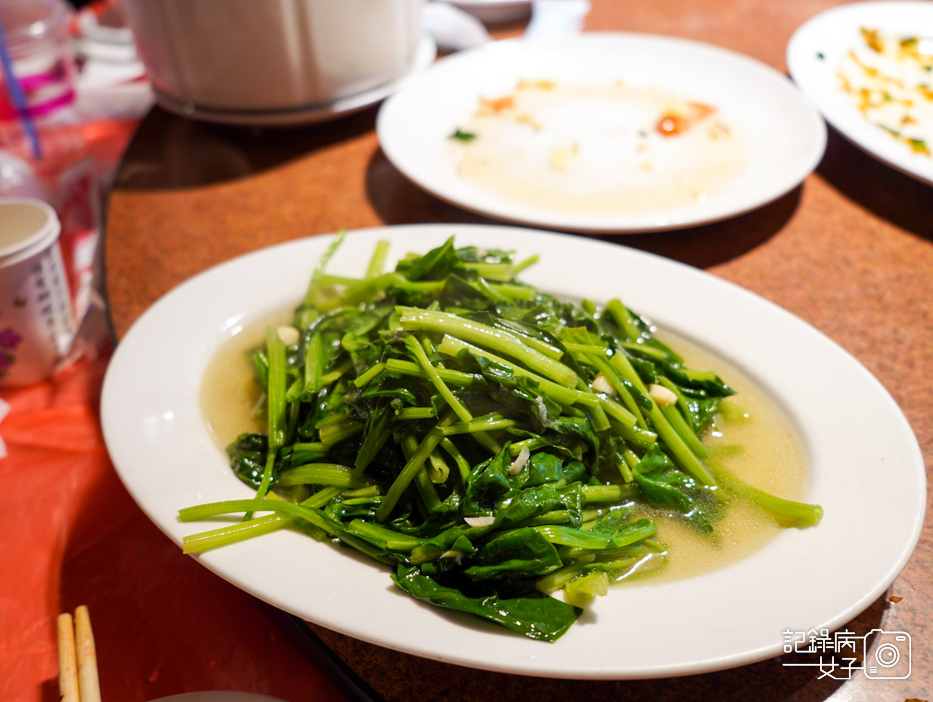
(37,321)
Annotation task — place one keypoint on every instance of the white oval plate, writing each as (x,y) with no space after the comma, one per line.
(785,136)
(863,457)
(815,52)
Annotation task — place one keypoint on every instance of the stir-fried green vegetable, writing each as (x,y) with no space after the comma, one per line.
(489,442)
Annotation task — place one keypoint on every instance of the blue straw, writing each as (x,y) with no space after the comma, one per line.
(16,93)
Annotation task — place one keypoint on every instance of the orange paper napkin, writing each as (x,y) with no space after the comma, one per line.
(70,534)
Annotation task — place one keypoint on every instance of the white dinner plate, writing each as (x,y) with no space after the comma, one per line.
(778,136)
(864,462)
(816,51)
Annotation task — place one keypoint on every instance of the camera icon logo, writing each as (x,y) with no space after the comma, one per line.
(890,657)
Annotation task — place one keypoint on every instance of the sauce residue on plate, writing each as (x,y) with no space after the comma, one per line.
(890,80)
(602,149)
(771,457)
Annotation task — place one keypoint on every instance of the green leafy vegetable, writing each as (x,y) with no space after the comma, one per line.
(491,443)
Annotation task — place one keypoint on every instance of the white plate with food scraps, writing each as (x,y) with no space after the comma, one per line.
(606,132)
(832,60)
(862,456)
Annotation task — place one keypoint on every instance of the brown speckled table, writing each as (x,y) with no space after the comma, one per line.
(850,252)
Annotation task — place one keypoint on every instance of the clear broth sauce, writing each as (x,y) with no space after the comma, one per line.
(771,459)
(229,392)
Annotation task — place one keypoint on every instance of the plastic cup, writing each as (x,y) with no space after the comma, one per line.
(37,323)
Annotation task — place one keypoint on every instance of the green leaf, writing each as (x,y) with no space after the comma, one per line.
(534,615)
(437,264)
(519,553)
(663,484)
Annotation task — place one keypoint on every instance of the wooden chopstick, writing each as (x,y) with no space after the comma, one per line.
(77,658)
(67,662)
(88,682)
